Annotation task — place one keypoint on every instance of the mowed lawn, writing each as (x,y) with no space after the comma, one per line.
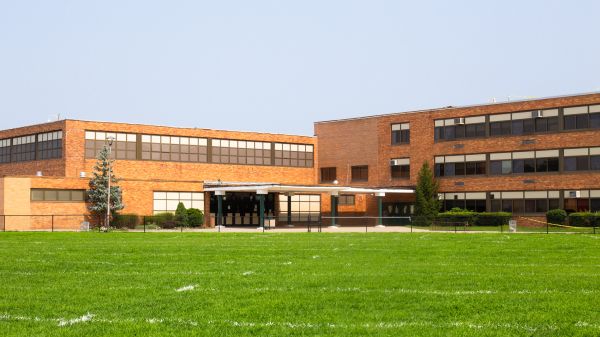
(303,284)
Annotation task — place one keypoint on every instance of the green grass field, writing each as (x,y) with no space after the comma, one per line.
(305,284)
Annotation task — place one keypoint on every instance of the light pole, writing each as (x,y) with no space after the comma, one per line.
(109,141)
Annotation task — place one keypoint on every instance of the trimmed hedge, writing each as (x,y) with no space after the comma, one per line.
(195,217)
(556,216)
(584,219)
(126,221)
(162,220)
(475,218)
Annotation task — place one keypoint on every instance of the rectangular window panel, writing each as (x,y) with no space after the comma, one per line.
(49,145)
(346,200)
(595,120)
(23,148)
(52,195)
(295,155)
(303,207)
(595,162)
(123,145)
(401,133)
(400,171)
(360,173)
(168,201)
(328,174)
(5,150)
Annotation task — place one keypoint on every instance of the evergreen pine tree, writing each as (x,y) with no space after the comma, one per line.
(181,215)
(427,203)
(98,190)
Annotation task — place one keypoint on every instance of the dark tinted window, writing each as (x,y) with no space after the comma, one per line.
(360,173)
(401,171)
(328,174)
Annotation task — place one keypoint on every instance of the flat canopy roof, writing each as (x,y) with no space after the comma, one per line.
(266,188)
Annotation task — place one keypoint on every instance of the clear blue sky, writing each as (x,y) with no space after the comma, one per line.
(278,66)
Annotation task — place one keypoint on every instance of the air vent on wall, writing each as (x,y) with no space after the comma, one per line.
(537,114)
(528,181)
(459,146)
(459,121)
(574,194)
(459,183)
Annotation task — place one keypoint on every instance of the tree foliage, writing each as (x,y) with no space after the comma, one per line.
(427,203)
(181,215)
(98,191)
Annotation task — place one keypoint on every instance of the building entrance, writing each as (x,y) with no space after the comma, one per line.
(242,208)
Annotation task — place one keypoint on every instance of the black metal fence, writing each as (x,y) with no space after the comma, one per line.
(158,223)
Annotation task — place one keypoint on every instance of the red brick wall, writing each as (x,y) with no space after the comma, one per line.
(358,132)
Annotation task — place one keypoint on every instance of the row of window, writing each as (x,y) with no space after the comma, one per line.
(40,146)
(578,159)
(303,207)
(400,169)
(520,202)
(518,123)
(38,194)
(168,201)
(199,150)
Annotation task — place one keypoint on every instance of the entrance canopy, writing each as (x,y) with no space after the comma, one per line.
(333,190)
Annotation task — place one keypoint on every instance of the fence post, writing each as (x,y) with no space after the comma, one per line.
(52,230)
(547,227)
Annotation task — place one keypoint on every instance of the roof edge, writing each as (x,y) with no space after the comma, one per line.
(451,107)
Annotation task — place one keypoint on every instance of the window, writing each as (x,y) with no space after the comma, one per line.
(360,173)
(346,200)
(295,155)
(579,117)
(49,145)
(524,202)
(501,163)
(460,165)
(500,124)
(4,150)
(400,168)
(38,194)
(328,174)
(303,207)
(168,201)
(576,159)
(123,147)
(240,152)
(168,148)
(595,162)
(401,133)
(23,148)
(473,201)
(459,128)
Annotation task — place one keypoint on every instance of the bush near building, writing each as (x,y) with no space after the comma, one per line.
(129,221)
(584,219)
(556,216)
(475,218)
(195,217)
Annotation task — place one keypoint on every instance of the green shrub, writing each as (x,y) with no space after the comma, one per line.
(181,215)
(584,219)
(556,216)
(195,217)
(460,216)
(126,221)
(456,215)
(492,219)
(162,220)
